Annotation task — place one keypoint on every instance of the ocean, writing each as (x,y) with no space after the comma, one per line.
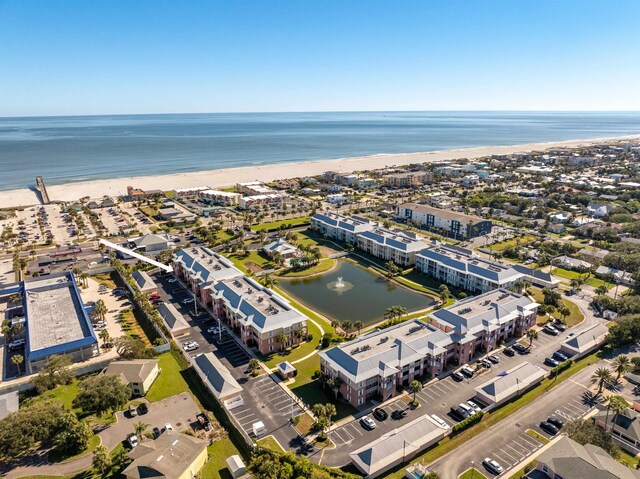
(70,149)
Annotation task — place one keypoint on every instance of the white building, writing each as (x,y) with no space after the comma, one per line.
(450,223)
(340,227)
(396,245)
(223,198)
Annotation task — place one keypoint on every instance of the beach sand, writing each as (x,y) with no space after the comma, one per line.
(230,176)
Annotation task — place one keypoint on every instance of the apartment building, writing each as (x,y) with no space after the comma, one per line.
(257,314)
(271,199)
(223,198)
(406,179)
(375,364)
(189,192)
(398,246)
(460,268)
(199,267)
(340,227)
(252,188)
(449,223)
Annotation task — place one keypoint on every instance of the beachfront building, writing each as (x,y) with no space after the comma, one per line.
(477,324)
(449,223)
(136,194)
(375,364)
(199,267)
(460,268)
(252,188)
(222,198)
(340,227)
(189,192)
(260,317)
(396,245)
(268,199)
(404,180)
(57,321)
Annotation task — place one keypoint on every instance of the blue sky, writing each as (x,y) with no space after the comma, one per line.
(62,57)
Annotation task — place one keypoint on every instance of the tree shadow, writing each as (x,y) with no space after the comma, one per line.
(591,399)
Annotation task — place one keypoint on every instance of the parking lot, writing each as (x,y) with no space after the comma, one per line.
(264,399)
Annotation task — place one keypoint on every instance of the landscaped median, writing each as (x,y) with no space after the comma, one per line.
(472,474)
(449,443)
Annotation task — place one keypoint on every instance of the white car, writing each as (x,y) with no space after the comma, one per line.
(187,301)
(172,280)
(167,427)
(133,440)
(190,346)
(474,406)
(440,422)
(215,330)
(492,465)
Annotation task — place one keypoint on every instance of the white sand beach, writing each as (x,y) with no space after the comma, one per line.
(230,176)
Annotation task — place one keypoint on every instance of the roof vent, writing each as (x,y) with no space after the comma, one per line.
(464,310)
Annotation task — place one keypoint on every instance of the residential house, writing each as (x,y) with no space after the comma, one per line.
(139,374)
(624,427)
(282,247)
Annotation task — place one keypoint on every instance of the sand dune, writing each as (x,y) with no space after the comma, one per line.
(230,176)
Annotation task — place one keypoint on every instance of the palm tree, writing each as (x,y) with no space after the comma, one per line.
(83,278)
(335,383)
(254,365)
(602,289)
(139,429)
(444,293)
(282,339)
(105,336)
(621,364)
(564,312)
(600,377)
(415,387)
(100,309)
(17,360)
(618,405)
(358,325)
(531,335)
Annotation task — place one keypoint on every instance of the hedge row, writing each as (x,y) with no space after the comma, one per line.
(470,421)
(561,367)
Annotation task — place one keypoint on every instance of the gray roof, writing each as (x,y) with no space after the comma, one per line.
(466,262)
(216,376)
(133,371)
(626,423)
(384,352)
(586,339)
(571,460)
(485,311)
(56,318)
(391,447)
(440,213)
(397,239)
(9,403)
(168,457)
(349,223)
(205,266)
(151,239)
(535,274)
(143,280)
(281,246)
(173,318)
(508,383)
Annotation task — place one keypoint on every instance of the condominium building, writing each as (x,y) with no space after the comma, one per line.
(375,364)
(340,227)
(449,223)
(198,267)
(224,198)
(462,269)
(189,192)
(252,188)
(261,317)
(398,246)
(270,199)
(402,180)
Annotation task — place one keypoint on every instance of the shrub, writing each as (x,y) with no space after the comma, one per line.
(561,367)
(327,338)
(470,421)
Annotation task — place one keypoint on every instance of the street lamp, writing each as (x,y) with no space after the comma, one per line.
(473,469)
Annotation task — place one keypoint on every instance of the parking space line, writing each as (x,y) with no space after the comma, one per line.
(515,459)
(439,388)
(446,386)
(501,458)
(520,455)
(527,441)
(357,429)
(429,395)
(344,430)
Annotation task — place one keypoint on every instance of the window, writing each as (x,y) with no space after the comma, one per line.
(545,468)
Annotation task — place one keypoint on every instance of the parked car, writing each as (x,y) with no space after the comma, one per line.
(494,359)
(457,376)
(474,406)
(464,410)
(190,346)
(492,466)
(133,412)
(368,423)
(556,421)
(508,352)
(548,428)
(551,362)
(16,344)
(133,440)
(560,326)
(398,414)
(167,427)
(172,280)
(467,371)
(143,409)
(156,432)
(486,363)
(550,330)
(520,348)
(560,356)
(380,414)
(440,422)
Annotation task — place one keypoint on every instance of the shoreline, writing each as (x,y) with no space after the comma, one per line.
(225,177)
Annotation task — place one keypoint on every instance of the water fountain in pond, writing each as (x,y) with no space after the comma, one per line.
(340,285)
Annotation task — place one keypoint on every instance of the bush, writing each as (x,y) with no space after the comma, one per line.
(561,367)
(530,467)
(327,338)
(309,337)
(470,421)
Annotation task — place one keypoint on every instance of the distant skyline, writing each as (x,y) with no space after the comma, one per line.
(64,57)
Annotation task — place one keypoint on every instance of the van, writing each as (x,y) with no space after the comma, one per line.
(464,410)
(467,371)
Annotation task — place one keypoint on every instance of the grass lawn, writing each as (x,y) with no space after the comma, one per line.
(627,459)
(490,419)
(289,223)
(537,436)
(105,278)
(305,423)
(132,327)
(323,265)
(65,393)
(520,474)
(57,457)
(326,325)
(254,261)
(271,443)
(591,280)
(149,211)
(275,358)
(575,315)
(472,474)
(216,466)
(170,382)
(501,246)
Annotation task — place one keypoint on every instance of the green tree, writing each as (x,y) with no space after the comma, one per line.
(324,414)
(139,428)
(600,377)
(602,289)
(54,373)
(551,296)
(444,293)
(358,325)
(100,309)
(587,432)
(415,387)
(618,405)
(105,336)
(17,360)
(73,436)
(282,339)
(621,364)
(100,394)
(254,366)
(532,334)
(128,347)
(101,460)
